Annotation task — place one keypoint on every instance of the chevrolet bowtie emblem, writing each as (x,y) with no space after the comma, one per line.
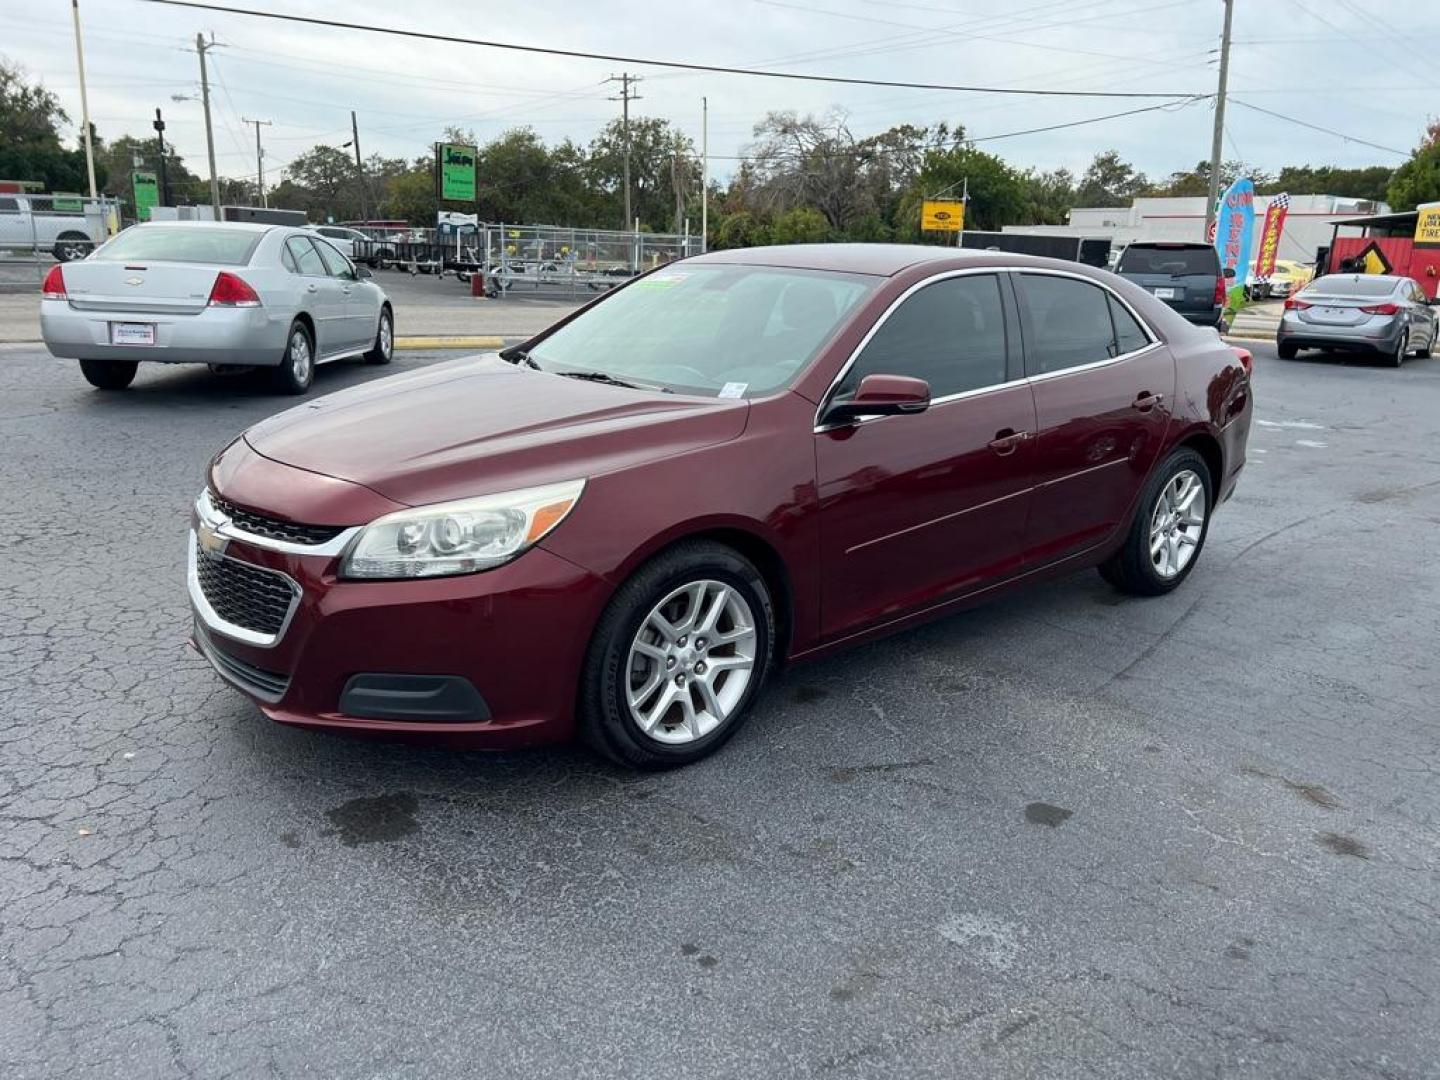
(134,281)
(212,544)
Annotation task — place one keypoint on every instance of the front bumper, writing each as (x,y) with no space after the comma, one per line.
(516,636)
(253,337)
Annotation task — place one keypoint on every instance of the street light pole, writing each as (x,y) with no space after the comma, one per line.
(359,168)
(201,47)
(1217,141)
(84,100)
(704,174)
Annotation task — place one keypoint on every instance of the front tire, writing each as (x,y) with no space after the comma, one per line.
(109,374)
(297,367)
(1169,529)
(383,349)
(677,658)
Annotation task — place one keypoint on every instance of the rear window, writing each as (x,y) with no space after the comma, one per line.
(181,243)
(1175,261)
(1351,285)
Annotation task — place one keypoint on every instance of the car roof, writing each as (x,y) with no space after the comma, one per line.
(885,260)
(237,226)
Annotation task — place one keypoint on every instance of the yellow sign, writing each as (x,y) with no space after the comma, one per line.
(1427,225)
(942,215)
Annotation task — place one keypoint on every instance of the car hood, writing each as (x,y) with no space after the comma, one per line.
(481,425)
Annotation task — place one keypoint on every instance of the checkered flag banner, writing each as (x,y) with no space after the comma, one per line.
(1270,237)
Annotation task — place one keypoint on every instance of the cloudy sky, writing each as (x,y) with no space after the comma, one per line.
(1330,63)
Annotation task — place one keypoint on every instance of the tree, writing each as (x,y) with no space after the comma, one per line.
(1109,181)
(120,159)
(1196,181)
(1369,182)
(801,225)
(1418,180)
(809,161)
(1049,196)
(654,144)
(30,146)
(321,182)
(997,192)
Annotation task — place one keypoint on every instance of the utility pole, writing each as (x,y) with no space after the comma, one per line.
(259,158)
(159,126)
(359,168)
(200,47)
(84,100)
(626,81)
(1216,143)
(704,174)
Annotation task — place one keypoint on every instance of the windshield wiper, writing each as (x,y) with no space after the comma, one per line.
(610,380)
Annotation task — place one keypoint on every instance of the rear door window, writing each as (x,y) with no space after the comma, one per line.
(1176,262)
(307,259)
(1070,323)
(9,206)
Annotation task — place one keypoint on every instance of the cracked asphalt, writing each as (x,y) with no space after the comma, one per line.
(1066,835)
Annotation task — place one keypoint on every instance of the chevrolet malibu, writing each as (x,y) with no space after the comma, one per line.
(619,528)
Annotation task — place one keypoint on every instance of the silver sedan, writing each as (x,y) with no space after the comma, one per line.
(1370,313)
(220,293)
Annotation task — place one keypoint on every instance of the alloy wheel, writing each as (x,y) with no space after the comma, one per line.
(387,337)
(1177,523)
(300,358)
(691,662)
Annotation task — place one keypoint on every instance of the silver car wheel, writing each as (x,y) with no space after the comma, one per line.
(301,360)
(387,337)
(1177,523)
(691,662)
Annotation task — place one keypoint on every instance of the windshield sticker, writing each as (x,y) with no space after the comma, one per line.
(733,389)
(660,281)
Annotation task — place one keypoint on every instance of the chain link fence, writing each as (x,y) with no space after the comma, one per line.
(534,259)
(37,231)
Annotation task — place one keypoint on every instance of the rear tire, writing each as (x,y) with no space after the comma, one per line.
(383,349)
(629,662)
(1133,569)
(296,370)
(1286,351)
(109,374)
(1397,357)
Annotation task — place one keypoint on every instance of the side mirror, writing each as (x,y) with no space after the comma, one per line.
(362,272)
(882,395)
(1229,271)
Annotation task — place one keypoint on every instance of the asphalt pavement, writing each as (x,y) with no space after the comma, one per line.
(1070,834)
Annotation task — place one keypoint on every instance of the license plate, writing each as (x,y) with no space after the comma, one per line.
(132,333)
(1165,294)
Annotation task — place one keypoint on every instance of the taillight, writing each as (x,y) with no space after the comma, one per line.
(1297,305)
(232,291)
(1246,360)
(54,286)
(1220,291)
(1381,309)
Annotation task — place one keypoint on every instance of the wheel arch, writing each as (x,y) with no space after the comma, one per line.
(1207,445)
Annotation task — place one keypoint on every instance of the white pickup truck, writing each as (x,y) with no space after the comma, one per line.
(29,226)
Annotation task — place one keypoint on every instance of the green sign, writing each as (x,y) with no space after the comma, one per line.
(67,203)
(147,193)
(457,172)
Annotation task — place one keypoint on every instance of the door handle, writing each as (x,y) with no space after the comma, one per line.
(347,290)
(1007,439)
(312,288)
(1146,401)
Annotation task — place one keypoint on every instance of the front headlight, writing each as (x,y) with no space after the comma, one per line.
(458,537)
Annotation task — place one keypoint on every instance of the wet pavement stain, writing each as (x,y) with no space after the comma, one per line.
(1313,793)
(803,695)
(850,772)
(1343,845)
(1039,813)
(707,961)
(1239,949)
(290,839)
(688,949)
(379,820)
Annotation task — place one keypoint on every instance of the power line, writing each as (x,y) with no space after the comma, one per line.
(1317,127)
(337,24)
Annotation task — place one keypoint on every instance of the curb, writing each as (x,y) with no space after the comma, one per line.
(450,341)
(1247,336)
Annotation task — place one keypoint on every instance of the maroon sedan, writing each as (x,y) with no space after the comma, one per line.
(743,459)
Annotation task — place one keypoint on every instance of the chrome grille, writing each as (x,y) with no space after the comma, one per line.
(245,595)
(275,529)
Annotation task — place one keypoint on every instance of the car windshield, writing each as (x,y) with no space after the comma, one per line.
(181,243)
(1175,261)
(710,329)
(1351,285)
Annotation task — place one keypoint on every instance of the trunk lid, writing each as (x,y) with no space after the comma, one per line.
(147,287)
(1338,310)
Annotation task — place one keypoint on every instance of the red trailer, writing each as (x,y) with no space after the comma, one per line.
(1386,245)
